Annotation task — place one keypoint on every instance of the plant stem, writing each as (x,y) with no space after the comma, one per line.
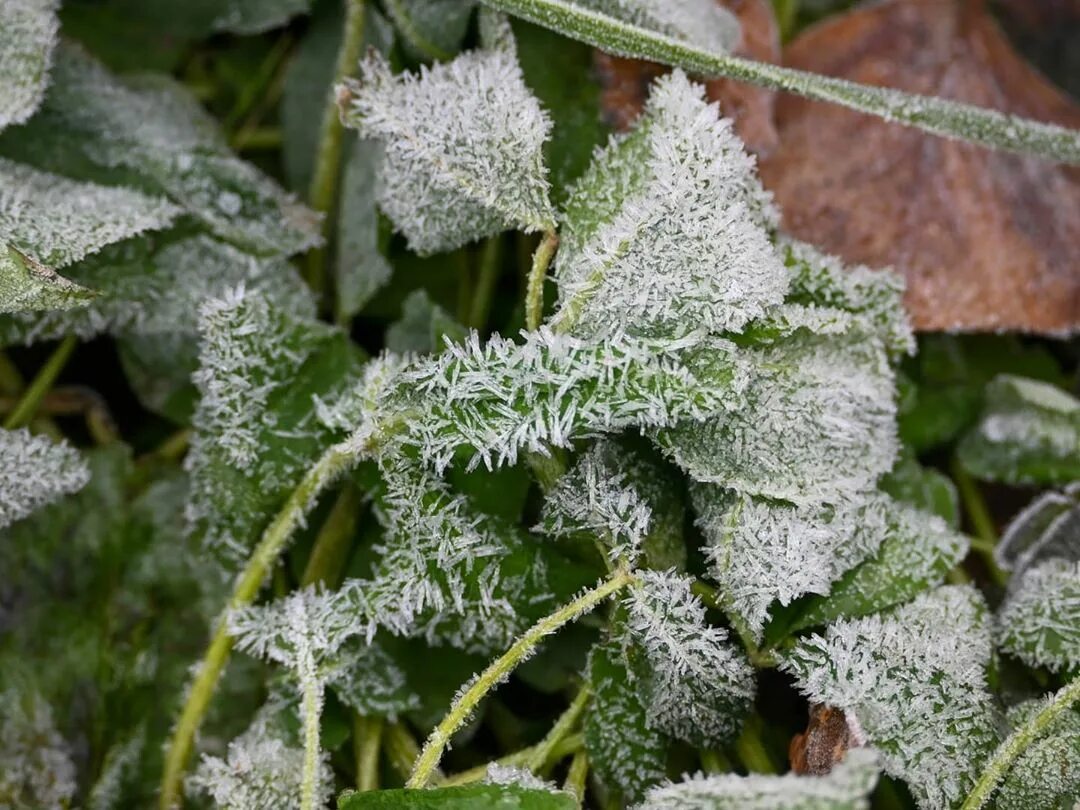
(332,463)
(713,761)
(262,77)
(1017,742)
(11,381)
(501,668)
(367,742)
(938,116)
(541,754)
(31,398)
(534,291)
(568,745)
(311,708)
(490,254)
(576,776)
(332,544)
(986,537)
(402,750)
(751,749)
(324,181)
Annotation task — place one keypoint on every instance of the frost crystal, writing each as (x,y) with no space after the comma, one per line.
(761,551)
(463,147)
(704,23)
(28,31)
(35,471)
(27,285)
(57,221)
(698,686)
(847,787)
(915,679)
(37,770)
(365,677)
(1046,776)
(1040,620)
(509,775)
(668,230)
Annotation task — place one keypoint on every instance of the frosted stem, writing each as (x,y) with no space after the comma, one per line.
(576,776)
(1017,742)
(938,116)
(311,708)
(325,471)
(31,399)
(534,292)
(542,753)
(500,669)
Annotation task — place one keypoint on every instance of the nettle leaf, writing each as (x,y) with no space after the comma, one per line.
(367,678)
(1047,527)
(38,768)
(1029,434)
(668,230)
(696,686)
(702,22)
(35,471)
(424,326)
(915,680)
(1046,775)
(28,34)
(846,787)
(1040,620)
(431,29)
(147,131)
(26,285)
(628,754)
(472,797)
(360,269)
(255,16)
(819,421)
(462,147)
(764,551)
(256,433)
(923,487)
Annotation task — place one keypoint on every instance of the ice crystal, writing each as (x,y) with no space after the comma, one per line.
(847,787)
(28,31)
(915,679)
(1047,527)
(668,230)
(1046,775)
(365,677)
(35,471)
(462,147)
(509,775)
(37,768)
(702,22)
(697,685)
(1040,620)
(27,285)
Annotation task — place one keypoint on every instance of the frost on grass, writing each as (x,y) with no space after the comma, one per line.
(668,231)
(762,552)
(462,147)
(37,768)
(696,685)
(1047,527)
(819,422)
(57,221)
(28,30)
(35,471)
(915,680)
(704,23)
(1028,434)
(26,285)
(1040,619)
(149,132)
(1046,775)
(847,787)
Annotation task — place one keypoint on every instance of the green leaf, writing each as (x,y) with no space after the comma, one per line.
(923,487)
(1028,434)
(28,31)
(423,326)
(939,116)
(1039,621)
(470,797)
(1047,527)
(1046,776)
(26,285)
(431,29)
(34,471)
(159,369)
(623,749)
(360,269)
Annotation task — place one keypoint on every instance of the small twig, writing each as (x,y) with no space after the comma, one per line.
(46,377)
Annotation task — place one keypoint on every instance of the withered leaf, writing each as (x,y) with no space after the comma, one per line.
(986,240)
(824,743)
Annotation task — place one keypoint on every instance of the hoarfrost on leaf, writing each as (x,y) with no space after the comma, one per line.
(1046,775)
(28,286)
(668,231)
(696,685)
(462,147)
(1039,621)
(28,34)
(704,23)
(915,679)
(522,777)
(1047,527)
(847,787)
(35,471)
(37,765)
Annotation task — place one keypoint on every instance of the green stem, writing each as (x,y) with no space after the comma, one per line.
(367,742)
(938,116)
(488,275)
(11,381)
(332,463)
(500,669)
(576,776)
(534,291)
(262,77)
(332,544)
(324,182)
(568,745)
(751,749)
(260,138)
(402,750)
(713,761)
(986,536)
(541,755)
(46,377)
(311,708)
(1017,742)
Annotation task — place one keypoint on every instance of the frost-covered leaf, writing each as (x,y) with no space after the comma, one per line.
(256,429)
(847,787)
(762,552)
(35,471)
(702,22)
(695,684)
(360,269)
(255,16)
(57,221)
(520,777)
(462,147)
(423,327)
(668,231)
(819,421)
(1029,434)
(1047,527)
(917,552)
(28,31)
(367,678)
(26,285)
(923,487)
(473,797)
(119,767)
(148,132)
(623,749)
(1040,619)
(38,770)
(1046,775)
(915,680)
(431,29)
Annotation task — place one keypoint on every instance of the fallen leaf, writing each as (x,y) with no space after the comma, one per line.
(824,743)
(625,82)
(986,240)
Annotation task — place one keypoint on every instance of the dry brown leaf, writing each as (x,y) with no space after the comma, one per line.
(986,240)
(625,82)
(824,743)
